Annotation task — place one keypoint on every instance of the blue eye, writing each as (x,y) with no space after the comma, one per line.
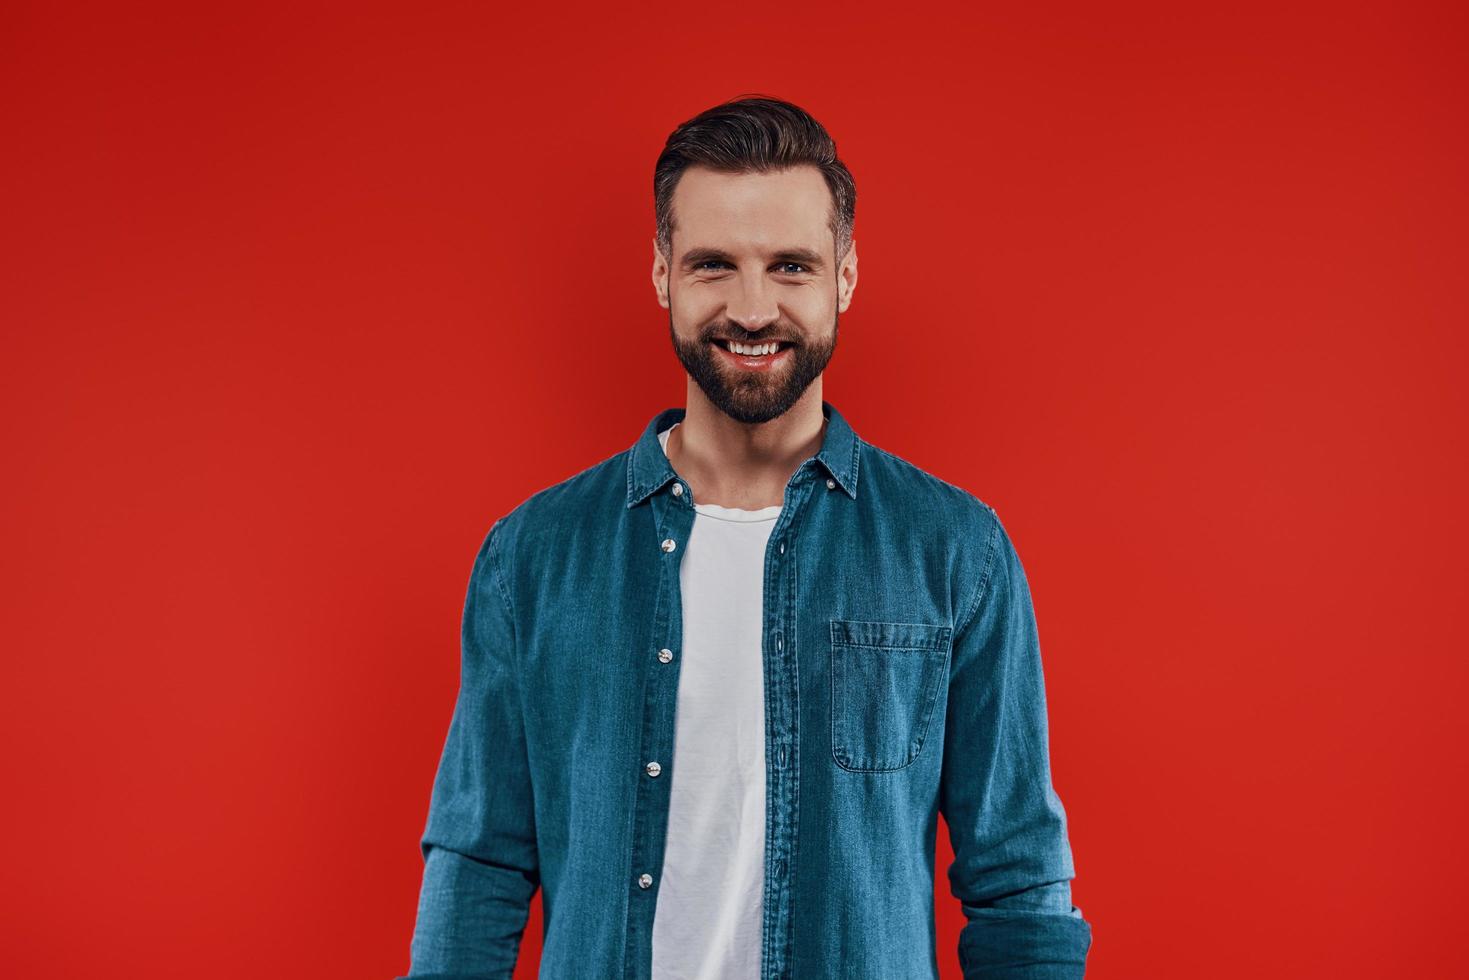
(786,268)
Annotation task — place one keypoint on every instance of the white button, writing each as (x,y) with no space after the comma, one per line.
(653,768)
(665,655)
(831,484)
(782,547)
(678,489)
(668,544)
(645,880)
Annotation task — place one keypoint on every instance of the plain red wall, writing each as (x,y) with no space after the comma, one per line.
(297,301)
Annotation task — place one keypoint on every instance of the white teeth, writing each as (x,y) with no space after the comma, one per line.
(754,350)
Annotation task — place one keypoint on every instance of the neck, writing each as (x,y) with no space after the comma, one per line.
(741,464)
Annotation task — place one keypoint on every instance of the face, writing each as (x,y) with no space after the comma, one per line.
(753,263)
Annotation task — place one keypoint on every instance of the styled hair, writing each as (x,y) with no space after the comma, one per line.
(757,134)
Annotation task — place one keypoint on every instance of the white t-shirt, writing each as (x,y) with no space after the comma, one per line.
(707,922)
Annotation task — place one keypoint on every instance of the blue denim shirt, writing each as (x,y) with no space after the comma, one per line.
(902,680)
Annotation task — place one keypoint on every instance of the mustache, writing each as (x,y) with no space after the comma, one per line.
(742,336)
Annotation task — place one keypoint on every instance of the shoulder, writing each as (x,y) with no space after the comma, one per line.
(597,492)
(948,518)
(890,475)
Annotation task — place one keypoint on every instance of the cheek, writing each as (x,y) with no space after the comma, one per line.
(695,306)
(808,306)
(812,307)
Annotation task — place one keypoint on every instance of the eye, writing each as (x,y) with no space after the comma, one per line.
(709,262)
(797,265)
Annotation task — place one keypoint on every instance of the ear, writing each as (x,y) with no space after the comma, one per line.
(660,275)
(847,278)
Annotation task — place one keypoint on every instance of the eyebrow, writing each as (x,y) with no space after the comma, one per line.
(805,256)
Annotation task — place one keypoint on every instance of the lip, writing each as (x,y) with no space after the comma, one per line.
(757,364)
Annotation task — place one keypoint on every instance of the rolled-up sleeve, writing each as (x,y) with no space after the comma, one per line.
(1012,865)
(479,844)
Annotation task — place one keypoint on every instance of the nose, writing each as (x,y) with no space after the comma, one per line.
(754,306)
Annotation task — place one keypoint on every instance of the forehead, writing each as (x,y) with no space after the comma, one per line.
(752,211)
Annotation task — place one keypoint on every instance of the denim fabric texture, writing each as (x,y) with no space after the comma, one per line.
(902,680)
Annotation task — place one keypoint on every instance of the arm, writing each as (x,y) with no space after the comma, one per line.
(479,845)
(1012,865)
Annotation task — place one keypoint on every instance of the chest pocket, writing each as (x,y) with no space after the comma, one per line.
(885,680)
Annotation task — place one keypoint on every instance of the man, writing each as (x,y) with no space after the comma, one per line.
(716,688)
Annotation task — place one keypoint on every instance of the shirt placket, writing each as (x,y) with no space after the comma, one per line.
(782,730)
(673,518)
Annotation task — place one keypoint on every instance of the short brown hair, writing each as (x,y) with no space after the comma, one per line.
(753,133)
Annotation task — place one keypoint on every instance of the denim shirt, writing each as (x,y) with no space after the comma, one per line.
(902,680)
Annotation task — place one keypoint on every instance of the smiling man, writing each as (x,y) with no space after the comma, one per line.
(716,689)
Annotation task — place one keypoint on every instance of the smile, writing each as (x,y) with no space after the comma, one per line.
(754,357)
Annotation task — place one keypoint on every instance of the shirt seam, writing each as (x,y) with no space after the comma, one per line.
(498,576)
(983,585)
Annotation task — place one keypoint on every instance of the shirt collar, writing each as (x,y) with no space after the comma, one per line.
(648,469)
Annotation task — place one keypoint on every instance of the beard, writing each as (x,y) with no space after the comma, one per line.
(751,397)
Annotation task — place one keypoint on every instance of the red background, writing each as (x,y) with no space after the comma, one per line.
(298,300)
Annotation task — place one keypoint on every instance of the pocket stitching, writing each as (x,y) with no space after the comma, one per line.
(928,640)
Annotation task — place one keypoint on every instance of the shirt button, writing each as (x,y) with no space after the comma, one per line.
(678,489)
(653,768)
(668,544)
(782,547)
(831,484)
(645,880)
(665,655)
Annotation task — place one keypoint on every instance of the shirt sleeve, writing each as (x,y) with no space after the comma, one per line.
(479,844)
(1012,865)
